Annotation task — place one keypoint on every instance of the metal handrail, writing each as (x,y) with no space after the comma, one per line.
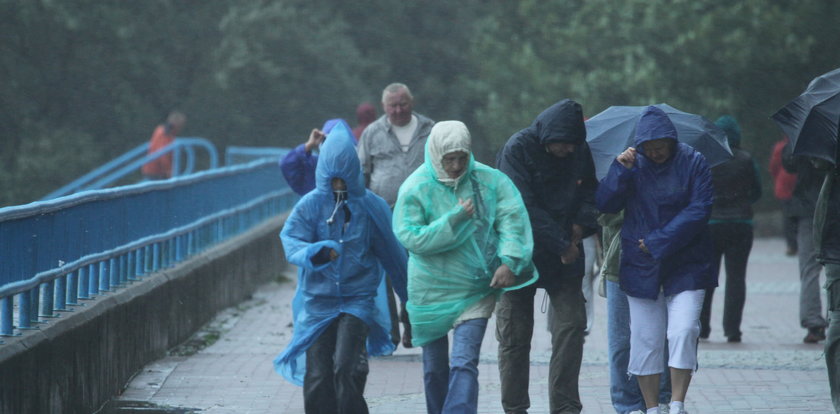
(123,165)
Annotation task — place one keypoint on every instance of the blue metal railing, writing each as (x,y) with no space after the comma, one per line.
(238,155)
(58,252)
(132,160)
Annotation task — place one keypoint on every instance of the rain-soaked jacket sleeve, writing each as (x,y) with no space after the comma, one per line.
(513,226)
(691,220)
(444,233)
(388,249)
(615,188)
(551,235)
(298,237)
(298,167)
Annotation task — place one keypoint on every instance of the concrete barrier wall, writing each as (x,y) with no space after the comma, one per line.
(78,361)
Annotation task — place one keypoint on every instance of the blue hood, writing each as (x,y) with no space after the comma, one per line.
(654,124)
(338,158)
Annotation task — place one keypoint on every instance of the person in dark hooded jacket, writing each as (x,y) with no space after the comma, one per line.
(737,186)
(550,164)
(827,244)
(665,190)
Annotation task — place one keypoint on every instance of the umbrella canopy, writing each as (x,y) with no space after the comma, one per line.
(613,130)
(811,120)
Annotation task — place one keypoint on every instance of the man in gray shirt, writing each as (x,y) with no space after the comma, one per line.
(390,149)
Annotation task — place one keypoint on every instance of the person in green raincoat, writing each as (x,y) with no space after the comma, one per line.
(469,239)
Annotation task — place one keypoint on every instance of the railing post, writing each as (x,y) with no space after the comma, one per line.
(114,272)
(73,288)
(36,304)
(155,257)
(82,292)
(61,293)
(93,280)
(24,310)
(48,299)
(7,310)
(132,265)
(104,280)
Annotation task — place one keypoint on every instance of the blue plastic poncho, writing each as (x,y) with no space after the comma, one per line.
(452,256)
(668,206)
(354,283)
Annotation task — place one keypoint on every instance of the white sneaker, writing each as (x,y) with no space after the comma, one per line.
(637,412)
(664,409)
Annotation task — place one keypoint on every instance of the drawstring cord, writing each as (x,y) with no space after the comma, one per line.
(340,200)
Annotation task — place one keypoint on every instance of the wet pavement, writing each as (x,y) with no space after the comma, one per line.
(771,371)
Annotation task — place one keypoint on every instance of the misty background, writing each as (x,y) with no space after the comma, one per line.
(84,81)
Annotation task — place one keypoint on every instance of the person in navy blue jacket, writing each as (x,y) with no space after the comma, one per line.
(298,166)
(665,190)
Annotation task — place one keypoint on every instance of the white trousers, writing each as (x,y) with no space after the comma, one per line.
(676,318)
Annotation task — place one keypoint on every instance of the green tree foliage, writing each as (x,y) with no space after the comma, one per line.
(85,81)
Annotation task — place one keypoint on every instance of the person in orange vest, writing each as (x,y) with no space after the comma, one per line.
(161,168)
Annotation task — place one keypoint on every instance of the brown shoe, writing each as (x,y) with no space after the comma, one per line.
(814,335)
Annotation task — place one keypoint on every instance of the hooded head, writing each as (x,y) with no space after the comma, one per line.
(656,136)
(448,151)
(365,113)
(733,131)
(338,159)
(561,123)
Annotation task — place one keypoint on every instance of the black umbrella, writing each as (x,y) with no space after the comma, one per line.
(811,120)
(613,130)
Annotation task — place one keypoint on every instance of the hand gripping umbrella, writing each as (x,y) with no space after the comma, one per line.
(613,130)
(811,119)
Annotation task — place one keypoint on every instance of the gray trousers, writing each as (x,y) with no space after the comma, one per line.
(810,295)
(832,342)
(514,330)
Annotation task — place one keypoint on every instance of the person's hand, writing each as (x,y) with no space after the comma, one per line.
(642,246)
(333,255)
(316,137)
(503,277)
(467,206)
(627,158)
(570,255)
(577,233)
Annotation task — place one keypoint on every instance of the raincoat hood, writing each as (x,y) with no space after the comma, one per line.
(654,124)
(447,137)
(733,131)
(561,122)
(338,158)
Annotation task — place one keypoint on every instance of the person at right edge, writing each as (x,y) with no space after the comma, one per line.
(550,164)
(665,189)
(809,179)
(827,242)
(737,186)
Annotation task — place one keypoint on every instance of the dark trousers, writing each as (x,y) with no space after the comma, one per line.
(514,330)
(732,242)
(331,381)
(789,225)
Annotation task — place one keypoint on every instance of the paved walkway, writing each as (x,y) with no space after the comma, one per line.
(772,371)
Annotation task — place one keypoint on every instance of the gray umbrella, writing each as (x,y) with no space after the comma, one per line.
(613,130)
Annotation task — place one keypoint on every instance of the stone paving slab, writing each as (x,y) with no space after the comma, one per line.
(772,371)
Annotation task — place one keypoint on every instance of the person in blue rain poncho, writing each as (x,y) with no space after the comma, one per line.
(469,238)
(665,190)
(339,235)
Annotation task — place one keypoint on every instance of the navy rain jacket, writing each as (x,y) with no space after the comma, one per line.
(668,206)
(557,192)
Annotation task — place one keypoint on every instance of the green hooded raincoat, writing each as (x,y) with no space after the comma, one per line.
(453,256)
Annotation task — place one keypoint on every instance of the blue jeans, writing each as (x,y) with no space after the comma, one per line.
(624,388)
(452,383)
